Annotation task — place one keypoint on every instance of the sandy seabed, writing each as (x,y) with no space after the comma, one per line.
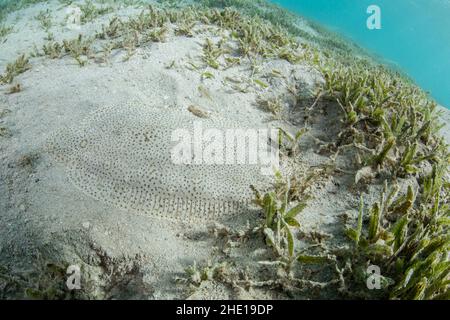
(129,254)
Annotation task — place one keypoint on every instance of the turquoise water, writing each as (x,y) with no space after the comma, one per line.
(414,34)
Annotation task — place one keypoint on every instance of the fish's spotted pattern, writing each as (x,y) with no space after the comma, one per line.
(122,156)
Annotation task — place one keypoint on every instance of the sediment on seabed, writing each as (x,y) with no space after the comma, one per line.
(90,95)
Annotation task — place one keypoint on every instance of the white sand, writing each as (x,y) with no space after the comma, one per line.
(40,208)
(445,119)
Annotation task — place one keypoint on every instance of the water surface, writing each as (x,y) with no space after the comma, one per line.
(415,34)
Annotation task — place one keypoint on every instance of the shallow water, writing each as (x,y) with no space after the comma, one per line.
(414,34)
